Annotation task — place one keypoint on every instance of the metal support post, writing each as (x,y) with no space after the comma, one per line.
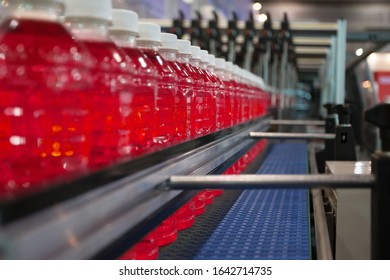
(267,57)
(274,82)
(341,58)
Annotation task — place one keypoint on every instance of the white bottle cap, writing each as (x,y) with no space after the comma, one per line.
(229,66)
(168,41)
(220,63)
(236,70)
(212,59)
(204,56)
(195,51)
(149,32)
(124,20)
(184,46)
(98,9)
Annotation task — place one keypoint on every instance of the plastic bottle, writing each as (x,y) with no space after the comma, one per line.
(220,92)
(183,57)
(210,123)
(246,95)
(45,85)
(225,88)
(182,106)
(229,93)
(201,123)
(238,94)
(149,42)
(265,97)
(234,93)
(142,121)
(113,81)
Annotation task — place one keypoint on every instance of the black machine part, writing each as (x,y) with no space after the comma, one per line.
(380,116)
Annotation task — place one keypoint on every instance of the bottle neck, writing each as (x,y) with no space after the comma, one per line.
(221,73)
(44,10)
(123,39)
(204,65)
(195,62)
(88,29)
(183,58)
(148,45)
(169,55)
(229,75)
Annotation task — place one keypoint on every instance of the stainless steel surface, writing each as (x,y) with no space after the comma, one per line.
(324,249)
(261,181)
(302,136)
(81,227)
(297,122)
(353,213)
(323,245)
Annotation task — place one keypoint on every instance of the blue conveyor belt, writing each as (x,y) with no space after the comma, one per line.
(268,223)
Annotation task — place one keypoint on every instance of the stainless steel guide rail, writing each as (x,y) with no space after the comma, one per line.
(297,122)
(80,227)
(297,136)
(261,181)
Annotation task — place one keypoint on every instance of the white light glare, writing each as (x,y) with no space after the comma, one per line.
(359,52)
(262,17)
(257,6)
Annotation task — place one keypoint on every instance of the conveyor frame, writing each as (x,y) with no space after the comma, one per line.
(84,225)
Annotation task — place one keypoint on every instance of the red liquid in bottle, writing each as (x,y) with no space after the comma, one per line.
(244,101)
(228,103)
(216,101)
(224,99)
(45,87)
(111,99)
(220,102)
(203,106)
(195,118)
(184,96)
(142,119)
(235,102)
(165,99)
(256,109)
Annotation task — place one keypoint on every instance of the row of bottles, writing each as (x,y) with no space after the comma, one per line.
(167,232)
(98,87)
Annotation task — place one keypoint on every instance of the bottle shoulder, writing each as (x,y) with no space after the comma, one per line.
(30,42)
(109,57)
(163,68)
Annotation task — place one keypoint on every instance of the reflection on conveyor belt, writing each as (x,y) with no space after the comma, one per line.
(266,224)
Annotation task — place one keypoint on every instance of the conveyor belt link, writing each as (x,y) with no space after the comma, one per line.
(267,224)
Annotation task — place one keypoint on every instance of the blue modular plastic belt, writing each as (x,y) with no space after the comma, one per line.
(267,224)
